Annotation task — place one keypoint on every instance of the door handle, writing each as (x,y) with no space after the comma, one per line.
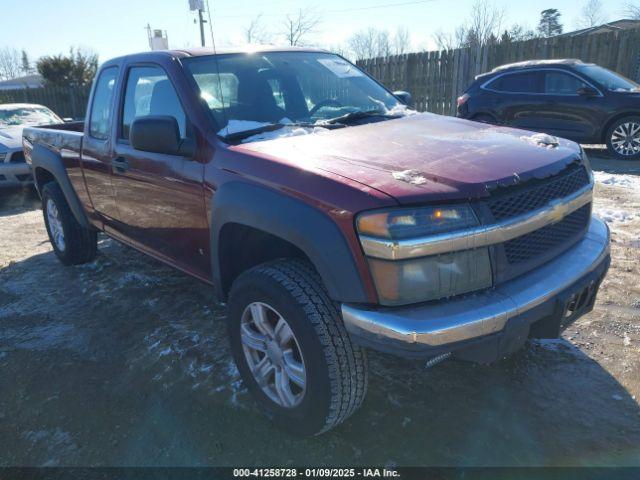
(120,164)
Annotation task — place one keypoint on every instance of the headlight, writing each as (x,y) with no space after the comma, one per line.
(2,157)
(400,224)
(413,280)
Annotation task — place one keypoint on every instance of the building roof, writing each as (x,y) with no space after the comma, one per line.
(616,26)
(30,81)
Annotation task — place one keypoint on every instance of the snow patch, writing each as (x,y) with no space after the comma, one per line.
(288,131)
(410,176)
(235,126)
(614,215)
(614,180)
(541,140)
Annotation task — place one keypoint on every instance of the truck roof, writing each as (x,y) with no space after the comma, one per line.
(205,51)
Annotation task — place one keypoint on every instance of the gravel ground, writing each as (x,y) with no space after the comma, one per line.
(124,361)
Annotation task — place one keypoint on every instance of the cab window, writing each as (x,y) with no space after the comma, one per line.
(150,92)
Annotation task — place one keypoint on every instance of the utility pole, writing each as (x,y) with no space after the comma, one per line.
(202,22)
(199,6)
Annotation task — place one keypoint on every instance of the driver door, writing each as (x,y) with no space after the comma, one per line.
(159,197)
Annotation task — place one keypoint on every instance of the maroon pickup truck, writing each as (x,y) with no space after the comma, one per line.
(326,214)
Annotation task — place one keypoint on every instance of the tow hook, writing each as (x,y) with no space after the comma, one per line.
(436,360)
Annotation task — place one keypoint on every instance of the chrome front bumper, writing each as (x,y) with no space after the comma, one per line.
(14,174)
(436,325)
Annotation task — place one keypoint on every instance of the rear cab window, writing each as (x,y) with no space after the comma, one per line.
(100,116)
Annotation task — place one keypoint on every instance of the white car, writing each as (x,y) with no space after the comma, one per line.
(13,118)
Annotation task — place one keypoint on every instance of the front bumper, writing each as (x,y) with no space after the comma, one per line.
(493,322)
(14,174)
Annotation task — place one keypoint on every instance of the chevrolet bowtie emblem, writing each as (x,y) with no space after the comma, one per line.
(559,210)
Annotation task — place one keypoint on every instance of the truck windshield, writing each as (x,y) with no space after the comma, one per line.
(27,116)
(250,91)
(608,79)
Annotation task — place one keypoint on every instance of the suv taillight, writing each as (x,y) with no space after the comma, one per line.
(462,99)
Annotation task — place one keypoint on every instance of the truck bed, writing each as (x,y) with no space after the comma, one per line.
(61,137)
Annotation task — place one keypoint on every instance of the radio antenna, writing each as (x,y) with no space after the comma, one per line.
(215,56)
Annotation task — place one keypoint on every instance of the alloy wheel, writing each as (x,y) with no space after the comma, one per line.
(625,139)
(55,225)
(273,354)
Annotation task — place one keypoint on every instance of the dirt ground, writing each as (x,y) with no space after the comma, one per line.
(124,361)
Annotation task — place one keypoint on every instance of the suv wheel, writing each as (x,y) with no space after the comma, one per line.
(72,243)
(292,350)
(623,138)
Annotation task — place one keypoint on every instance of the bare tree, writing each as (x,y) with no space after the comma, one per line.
(10,63)
(632,10)
(370,43)
(401,41)
(517,33)
(481,28)
(485,22)
(451,41)
(296,28)
(592,14)
(255,32)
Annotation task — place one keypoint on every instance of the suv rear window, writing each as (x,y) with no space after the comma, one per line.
(524,82)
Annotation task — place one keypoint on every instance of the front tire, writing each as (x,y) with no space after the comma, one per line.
(292,350)
(623,138)
(72,243)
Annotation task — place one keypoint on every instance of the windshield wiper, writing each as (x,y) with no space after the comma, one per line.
(271,127)
(358,115)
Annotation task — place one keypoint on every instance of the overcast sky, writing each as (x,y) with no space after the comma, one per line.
(117,27)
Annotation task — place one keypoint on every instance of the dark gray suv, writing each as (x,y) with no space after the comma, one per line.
(568,98)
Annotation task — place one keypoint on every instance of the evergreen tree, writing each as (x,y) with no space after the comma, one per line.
(550,23)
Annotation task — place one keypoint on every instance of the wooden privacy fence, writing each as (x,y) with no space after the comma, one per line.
(66,102)
(436,79)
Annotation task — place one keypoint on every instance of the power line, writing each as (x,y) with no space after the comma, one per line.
(343,10)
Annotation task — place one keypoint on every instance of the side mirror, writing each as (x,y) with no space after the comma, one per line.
(587,92)
(160,134)
(67,119)
(404,97)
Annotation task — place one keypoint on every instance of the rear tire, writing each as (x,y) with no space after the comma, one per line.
(623,138)
(72,243)
(330,371)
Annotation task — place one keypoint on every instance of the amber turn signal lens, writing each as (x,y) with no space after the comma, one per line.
(374,225)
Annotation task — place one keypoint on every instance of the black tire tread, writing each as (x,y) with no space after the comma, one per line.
(347,361)
(82,243)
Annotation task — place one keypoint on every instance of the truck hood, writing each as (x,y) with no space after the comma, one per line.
(10,138)
(425,157)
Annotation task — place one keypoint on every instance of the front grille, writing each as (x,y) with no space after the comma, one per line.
(17,157)
(547,238)
(515,201)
